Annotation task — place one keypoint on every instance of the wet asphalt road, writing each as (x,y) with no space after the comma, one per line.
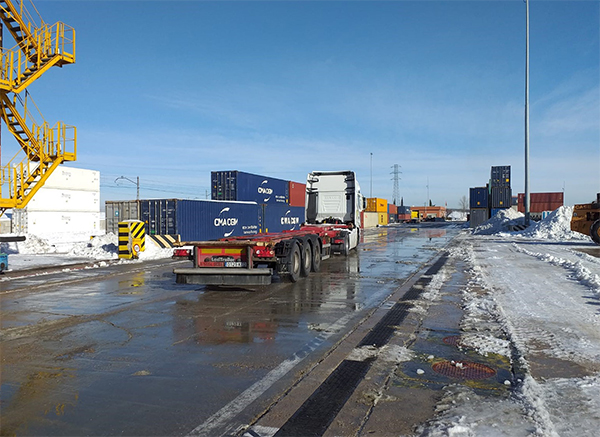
(123,350)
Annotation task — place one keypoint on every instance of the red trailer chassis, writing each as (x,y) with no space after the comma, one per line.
(254,259)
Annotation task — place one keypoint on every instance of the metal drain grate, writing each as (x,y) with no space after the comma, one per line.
(452,340)
(463,370)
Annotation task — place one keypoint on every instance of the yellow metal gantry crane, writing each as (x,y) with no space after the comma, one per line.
(38,48)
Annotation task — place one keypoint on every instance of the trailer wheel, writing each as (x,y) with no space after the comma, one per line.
(307,255)
(595,231)
(295,263)
(316,258)
(345,249)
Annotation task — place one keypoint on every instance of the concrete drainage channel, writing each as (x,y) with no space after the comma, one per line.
(368,396)
(316,414)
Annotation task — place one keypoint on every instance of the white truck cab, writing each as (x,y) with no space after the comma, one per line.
(334,197)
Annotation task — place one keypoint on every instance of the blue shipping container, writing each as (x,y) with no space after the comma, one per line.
(500,176)
(240,186)
(404,210)
(478,197)
(278,218)
(200,220)
(501,197)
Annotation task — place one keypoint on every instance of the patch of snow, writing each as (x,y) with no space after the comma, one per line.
(458,216)
(556,226)
(363,353)
(500,222)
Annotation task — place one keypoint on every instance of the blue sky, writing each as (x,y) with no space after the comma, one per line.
(169,91)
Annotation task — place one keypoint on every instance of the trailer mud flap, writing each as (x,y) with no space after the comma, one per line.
(223,276)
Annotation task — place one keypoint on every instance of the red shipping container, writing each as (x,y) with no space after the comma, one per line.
(392,209)
(297,194)
(540,202)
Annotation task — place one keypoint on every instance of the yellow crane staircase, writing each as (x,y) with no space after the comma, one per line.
(38,48)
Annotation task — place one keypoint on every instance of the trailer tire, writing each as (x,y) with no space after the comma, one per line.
(345,247)
(595,231)
(316,257)
(295,263)
(307,255)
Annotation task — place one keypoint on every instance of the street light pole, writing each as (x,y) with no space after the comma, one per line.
(133,182)
(527,197)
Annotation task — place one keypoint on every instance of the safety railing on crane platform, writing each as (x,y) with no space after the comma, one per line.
(45,148)
(51,45)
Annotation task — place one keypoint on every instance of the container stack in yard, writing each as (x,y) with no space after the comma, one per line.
(376,213)
(242,204)
(68,204)
(392,213)
(404,215)
(486,202)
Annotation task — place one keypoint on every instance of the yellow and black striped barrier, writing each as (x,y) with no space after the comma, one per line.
(132,239)
(165,241)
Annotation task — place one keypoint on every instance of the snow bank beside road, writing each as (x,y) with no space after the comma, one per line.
(556,226)
(37,252)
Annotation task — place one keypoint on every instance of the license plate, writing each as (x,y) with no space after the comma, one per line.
(235,264)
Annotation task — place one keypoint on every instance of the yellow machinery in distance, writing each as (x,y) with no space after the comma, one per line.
(586,219)
(38,48)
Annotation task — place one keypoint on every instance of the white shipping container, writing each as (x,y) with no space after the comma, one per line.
(74,179)
(371,219)
(44,223)
(55,199)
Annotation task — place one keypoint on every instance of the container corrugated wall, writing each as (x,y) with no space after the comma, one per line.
(278,218)
(240,186)
(478,197)
(500,176)
(478,216)
(370,219)
(200,220)
(540,202)
(297,192)
(501,197)
(375,204)
(117,211)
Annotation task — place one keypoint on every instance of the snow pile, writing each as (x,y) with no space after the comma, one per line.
(556,226)
(102,247)
(33,245)
(458,216)
(501,222)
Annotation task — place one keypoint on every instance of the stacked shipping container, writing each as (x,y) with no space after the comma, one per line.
(403,214)
(68,203)
(378,208)
(485,202)
(196,220)
(242,204)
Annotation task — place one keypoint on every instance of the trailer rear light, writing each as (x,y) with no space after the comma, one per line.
(264,252)
(338,241)
(182,253)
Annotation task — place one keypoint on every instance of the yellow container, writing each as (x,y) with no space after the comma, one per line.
(382,218)
(414,214)
(132,239)
(375,204)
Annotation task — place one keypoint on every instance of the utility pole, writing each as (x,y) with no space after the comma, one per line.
(396,178)
(527,198)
